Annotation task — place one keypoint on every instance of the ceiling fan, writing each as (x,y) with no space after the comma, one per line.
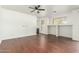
(37,8)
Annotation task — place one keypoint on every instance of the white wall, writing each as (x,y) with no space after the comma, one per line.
(43,21)
(75,18)
(52,30)
(15,24)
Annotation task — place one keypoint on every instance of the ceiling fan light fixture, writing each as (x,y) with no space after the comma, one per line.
(37,8)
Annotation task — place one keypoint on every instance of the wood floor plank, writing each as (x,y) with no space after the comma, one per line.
(39,44)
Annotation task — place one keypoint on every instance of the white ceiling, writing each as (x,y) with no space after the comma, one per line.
(49,9)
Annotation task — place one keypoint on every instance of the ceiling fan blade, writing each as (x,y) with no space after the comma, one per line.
(36,7)
(33,10)
(41,9)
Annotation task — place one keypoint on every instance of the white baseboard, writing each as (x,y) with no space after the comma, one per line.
(5,38)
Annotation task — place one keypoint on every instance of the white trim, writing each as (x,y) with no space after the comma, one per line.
(6,38)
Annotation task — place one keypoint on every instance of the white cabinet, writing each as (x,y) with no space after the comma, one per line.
(60,30)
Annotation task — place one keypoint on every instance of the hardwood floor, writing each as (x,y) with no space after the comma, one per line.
(39,44)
